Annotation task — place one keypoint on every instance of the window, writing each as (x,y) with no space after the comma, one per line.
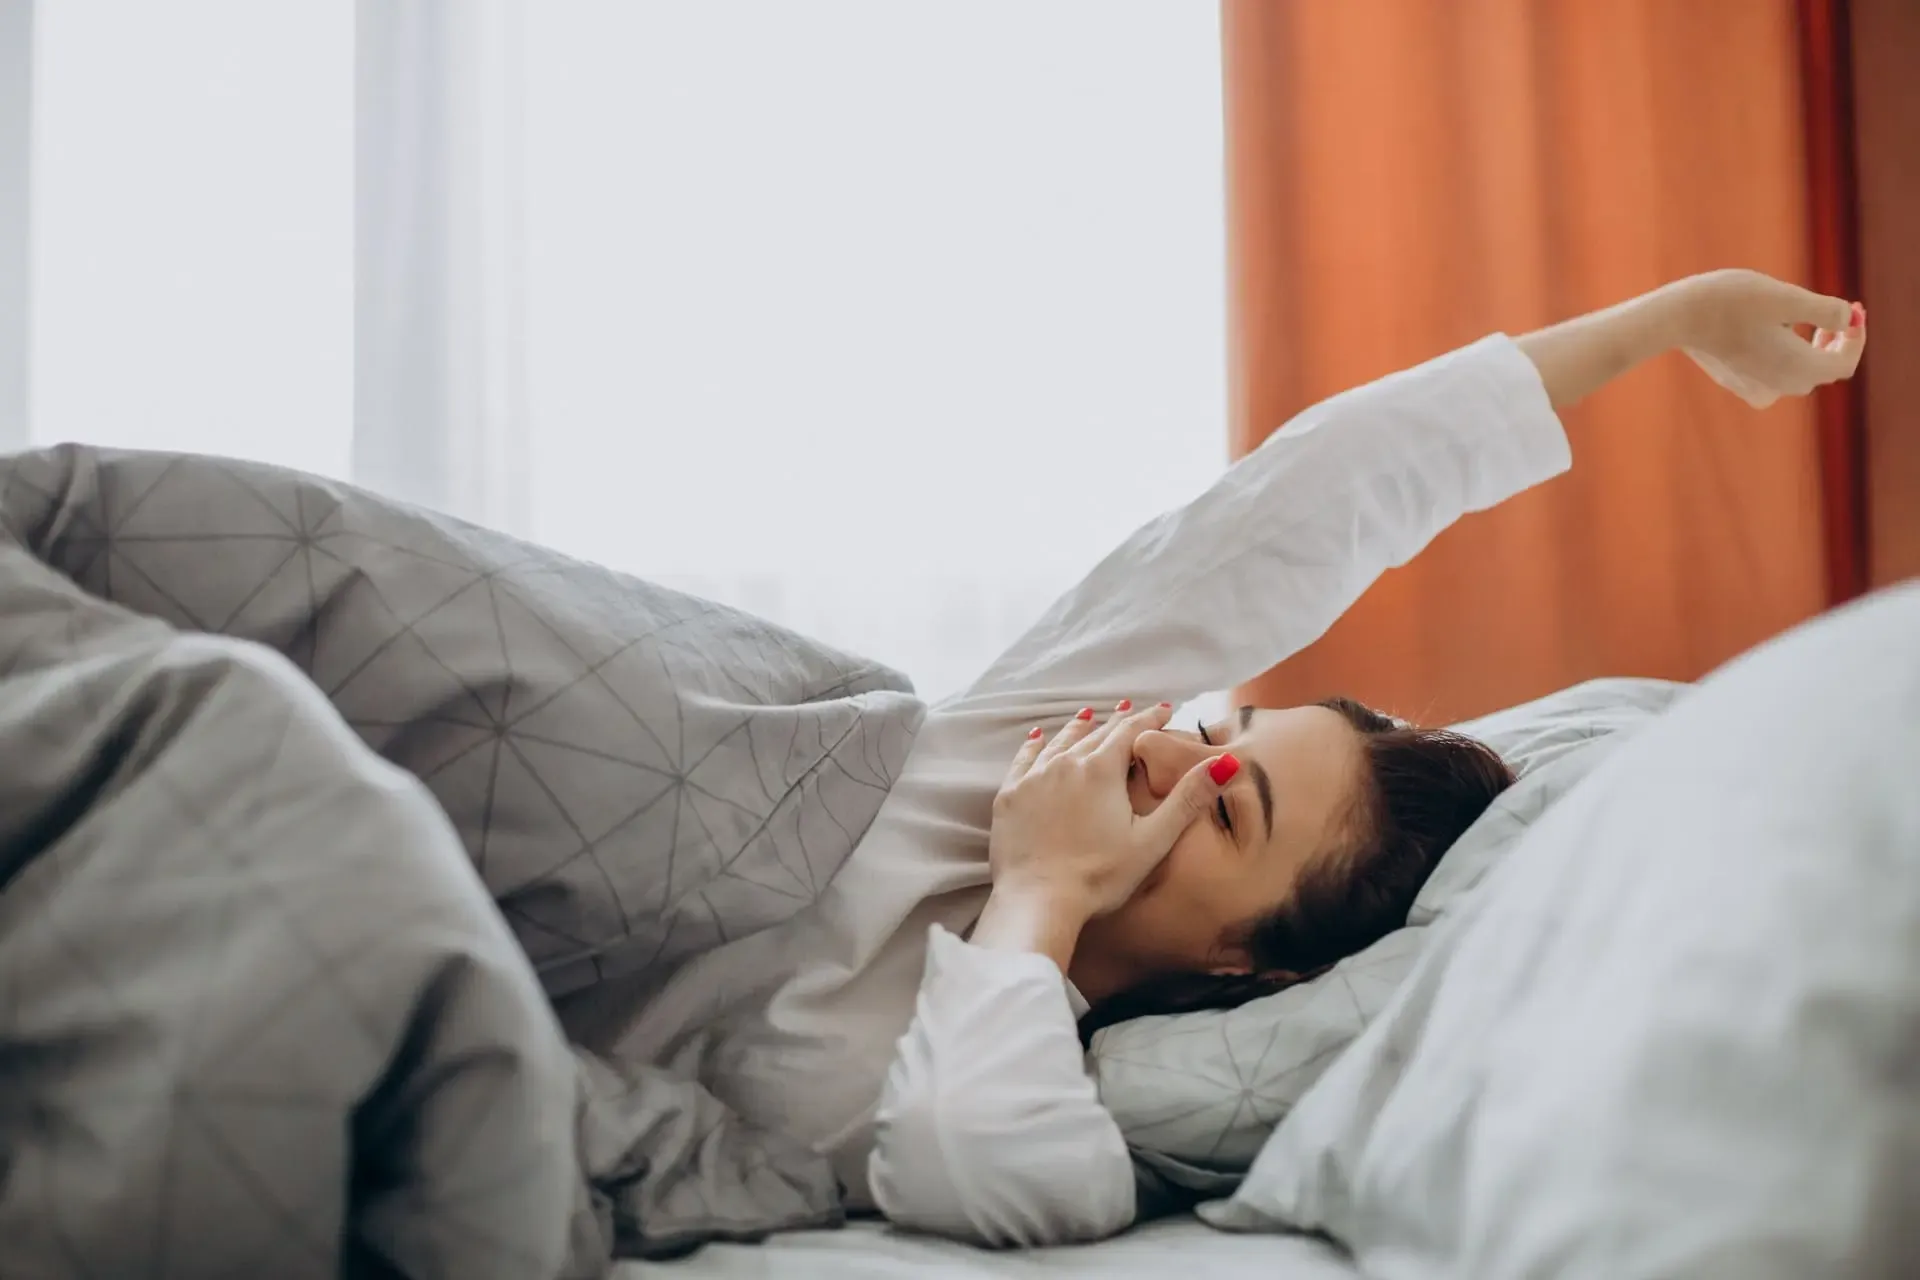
(884,320)
(192,227)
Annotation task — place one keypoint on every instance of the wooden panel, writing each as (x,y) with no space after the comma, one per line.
(1886,75)
(1826,89)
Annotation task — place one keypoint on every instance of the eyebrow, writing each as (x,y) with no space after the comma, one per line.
(1262,783)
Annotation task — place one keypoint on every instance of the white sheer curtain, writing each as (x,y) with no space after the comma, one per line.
(440,414)
(16,113)
(192,227)
(883,319)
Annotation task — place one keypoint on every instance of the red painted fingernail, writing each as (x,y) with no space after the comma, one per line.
(1859,315)
(1086,713)
(1126,704)
(1035,732)
(1166,706)
(1223,769)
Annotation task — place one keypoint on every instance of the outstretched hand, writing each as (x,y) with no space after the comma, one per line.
(1742,328)
(1063,825)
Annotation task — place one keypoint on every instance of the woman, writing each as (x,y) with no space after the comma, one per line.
(1127,867)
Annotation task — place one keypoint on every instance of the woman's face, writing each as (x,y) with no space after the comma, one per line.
(1289,805)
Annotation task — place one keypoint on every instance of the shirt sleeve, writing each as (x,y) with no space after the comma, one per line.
(1258,567)
(989,1129)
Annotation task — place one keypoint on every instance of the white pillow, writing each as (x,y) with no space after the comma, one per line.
(1206,1089)
(1679,1035)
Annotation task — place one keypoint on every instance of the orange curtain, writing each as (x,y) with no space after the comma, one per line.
(1407,175)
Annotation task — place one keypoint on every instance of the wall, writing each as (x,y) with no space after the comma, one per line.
(1886,74)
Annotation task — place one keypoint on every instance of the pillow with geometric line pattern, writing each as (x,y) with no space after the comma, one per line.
(1197,1094)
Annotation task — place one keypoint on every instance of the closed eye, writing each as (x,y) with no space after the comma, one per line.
(1221,815)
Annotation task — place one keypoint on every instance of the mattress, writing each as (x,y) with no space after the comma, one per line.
(867,1250)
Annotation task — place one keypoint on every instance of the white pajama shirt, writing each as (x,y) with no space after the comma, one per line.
(947,1082)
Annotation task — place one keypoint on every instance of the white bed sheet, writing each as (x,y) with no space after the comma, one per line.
(1183,1247)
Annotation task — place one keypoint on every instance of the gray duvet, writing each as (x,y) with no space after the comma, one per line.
(311,805)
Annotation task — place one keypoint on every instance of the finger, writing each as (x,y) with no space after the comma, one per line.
(1101,729)
(1077,728)
(1793,365)
(1853,342)
(1189,800)
(1122,733)
(1794,305)
(1808,366)
(1029,752)
(1851,346)
(1826,340)
(1122,714)
(1845,349)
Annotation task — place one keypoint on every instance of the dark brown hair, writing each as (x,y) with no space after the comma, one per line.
(1423,788)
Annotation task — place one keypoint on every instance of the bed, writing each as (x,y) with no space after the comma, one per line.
(872,1251)
(1669,1032)
(314,805)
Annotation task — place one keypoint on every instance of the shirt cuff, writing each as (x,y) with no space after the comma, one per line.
(1534,447)
(954,962)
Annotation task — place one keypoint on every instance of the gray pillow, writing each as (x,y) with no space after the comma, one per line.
(1199,1093)
(638,775)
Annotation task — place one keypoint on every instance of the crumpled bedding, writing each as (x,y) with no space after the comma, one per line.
(1673,1035)
(281,913)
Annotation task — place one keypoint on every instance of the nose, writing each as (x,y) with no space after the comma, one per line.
(1165,755)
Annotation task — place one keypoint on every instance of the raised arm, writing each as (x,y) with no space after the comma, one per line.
(1258,567)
